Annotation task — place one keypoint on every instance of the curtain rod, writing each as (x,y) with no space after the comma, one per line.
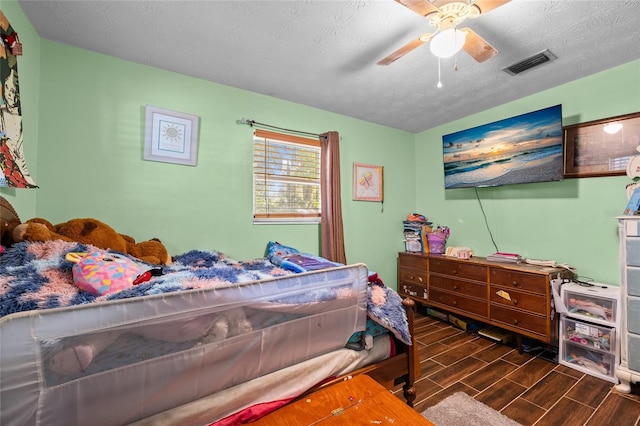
(254,123)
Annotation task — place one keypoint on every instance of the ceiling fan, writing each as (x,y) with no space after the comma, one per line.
(446,40)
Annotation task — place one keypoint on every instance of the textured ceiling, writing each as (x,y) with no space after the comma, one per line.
(324,53)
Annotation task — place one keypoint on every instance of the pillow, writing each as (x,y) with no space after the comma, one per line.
(293,260)
(276,252)
(104,272)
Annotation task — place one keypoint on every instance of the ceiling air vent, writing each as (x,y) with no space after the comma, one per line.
(530,62)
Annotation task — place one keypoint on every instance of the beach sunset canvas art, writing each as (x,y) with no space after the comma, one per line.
(522,149)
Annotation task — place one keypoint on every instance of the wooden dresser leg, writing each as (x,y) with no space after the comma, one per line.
(519,342)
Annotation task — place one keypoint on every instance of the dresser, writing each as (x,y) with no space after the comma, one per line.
(629,369)
(515,297)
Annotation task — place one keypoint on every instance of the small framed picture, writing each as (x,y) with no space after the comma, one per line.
(170,136)
(367,182)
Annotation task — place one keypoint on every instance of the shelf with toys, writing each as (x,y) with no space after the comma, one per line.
(589,338)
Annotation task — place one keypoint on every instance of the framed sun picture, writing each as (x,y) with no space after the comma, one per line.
(170,136)
(367,182)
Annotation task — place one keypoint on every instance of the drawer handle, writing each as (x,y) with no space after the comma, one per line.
(411,277)
(455,302)
(515,321)
(455,271)
(515,283)
(515,301)
(455,287)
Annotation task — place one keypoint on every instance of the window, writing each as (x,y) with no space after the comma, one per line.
(286,178)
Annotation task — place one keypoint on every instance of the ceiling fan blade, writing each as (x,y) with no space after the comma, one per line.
(487,5)
(421,7)
(477,47)
(402,51)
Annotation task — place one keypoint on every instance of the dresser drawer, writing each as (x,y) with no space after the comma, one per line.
(633,315)
(633,357)
(632,228)
(527,322)
(413,290)
(473,306)
(412,275)
(520,280)
(412,261)
(459,269)
(465,288)
(510,297)
(633,281)
(633,251)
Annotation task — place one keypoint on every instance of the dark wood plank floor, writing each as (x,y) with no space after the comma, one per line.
(527,388)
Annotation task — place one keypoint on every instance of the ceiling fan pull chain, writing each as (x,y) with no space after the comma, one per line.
(439,85)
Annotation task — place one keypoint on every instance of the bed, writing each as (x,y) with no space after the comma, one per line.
(211,340)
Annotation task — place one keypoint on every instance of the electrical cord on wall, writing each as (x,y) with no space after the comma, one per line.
(485,220)
(551,263)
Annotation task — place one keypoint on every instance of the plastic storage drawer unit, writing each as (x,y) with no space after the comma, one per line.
(589,330)
(590,361)
(591,336)
(600,306)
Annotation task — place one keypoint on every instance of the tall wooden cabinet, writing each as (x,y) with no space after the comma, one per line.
(514,297)
(629,369)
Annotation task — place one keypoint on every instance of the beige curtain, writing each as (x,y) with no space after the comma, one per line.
(331,232)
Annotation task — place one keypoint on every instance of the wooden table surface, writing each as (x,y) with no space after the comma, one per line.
(358,401)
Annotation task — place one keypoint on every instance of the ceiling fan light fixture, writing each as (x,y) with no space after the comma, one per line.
(474,11)
(447,43)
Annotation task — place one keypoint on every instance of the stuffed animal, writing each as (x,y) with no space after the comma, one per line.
(94,232)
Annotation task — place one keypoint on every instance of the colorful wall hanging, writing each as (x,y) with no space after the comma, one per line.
(12,162)
(367,182)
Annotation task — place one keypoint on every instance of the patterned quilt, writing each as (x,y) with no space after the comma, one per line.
(37,276)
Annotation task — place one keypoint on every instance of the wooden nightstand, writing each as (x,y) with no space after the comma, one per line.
(359,401)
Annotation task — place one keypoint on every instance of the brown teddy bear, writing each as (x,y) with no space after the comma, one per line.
(94,232)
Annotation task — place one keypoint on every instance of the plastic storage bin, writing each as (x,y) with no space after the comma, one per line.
(595,304)
(591,336)
(590,361)
(437,242)
(589,331)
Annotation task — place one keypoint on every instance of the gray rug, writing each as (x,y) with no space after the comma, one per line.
(460,409)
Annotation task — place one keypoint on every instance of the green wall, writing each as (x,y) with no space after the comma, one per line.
(572,221)
(90,136)
(84,131)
